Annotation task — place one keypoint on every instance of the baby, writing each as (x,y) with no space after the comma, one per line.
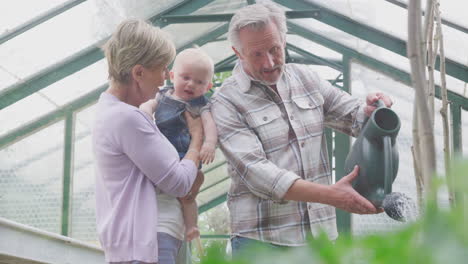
(191,75)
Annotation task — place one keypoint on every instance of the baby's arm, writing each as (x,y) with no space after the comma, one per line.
(149,107)
(190,212)
(190,209)
(207,153)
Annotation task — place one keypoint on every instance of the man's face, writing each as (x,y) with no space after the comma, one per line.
(262,53)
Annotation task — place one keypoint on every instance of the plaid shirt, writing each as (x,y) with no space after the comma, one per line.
(270,141)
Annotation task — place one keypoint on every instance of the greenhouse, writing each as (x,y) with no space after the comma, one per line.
(53,70)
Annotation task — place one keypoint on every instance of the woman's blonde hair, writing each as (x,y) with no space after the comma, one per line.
(136,42)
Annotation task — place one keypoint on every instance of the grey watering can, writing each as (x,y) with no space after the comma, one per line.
(375,152)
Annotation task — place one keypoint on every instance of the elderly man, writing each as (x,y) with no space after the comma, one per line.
(271,118)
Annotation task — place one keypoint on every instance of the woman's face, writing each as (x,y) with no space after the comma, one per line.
(150,81)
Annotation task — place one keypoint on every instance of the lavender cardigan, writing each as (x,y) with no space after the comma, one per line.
(132,157)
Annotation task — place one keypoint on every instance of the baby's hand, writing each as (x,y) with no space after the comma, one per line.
(149,107)
(207,153)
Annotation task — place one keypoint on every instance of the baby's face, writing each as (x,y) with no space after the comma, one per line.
(190,81)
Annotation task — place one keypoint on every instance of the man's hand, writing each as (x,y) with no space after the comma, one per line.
(372,98)
(348,199)
(207,152)
(149,107)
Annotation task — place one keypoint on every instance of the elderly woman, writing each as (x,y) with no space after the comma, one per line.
(132,156)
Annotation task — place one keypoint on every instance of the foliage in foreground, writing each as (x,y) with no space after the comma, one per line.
(437,237)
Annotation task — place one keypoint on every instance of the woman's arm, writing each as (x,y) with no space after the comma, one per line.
(195,188)
(141,141)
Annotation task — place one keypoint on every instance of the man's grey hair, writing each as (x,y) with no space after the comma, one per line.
(256,17)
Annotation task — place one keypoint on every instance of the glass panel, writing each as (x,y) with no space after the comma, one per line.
(352,42)
(377,14)
(372,50)
(325,72)
(182,34)
(78,84)
(455,43)
(214,175)
(221,6)
(313,47)
(454,11)
(52,41)
(21,11)
(87,23)
(53,96)
(83,220)
(24,111)
(31,179)
(6,79)
(109,13)
(216,181)
(207,195)
(218,50)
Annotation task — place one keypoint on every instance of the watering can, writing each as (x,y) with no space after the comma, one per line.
(375,152)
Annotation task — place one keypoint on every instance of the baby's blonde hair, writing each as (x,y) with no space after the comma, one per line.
(195,56)
(136,42)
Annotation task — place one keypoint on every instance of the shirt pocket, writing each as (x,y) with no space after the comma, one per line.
(310,113)
(269,125)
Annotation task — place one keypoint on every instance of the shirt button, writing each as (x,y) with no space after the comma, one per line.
(265,118)
(310,104)
(302,144)
(291,117)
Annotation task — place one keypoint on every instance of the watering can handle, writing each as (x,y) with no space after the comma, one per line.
(380,103)
(388,177)
(387,147)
